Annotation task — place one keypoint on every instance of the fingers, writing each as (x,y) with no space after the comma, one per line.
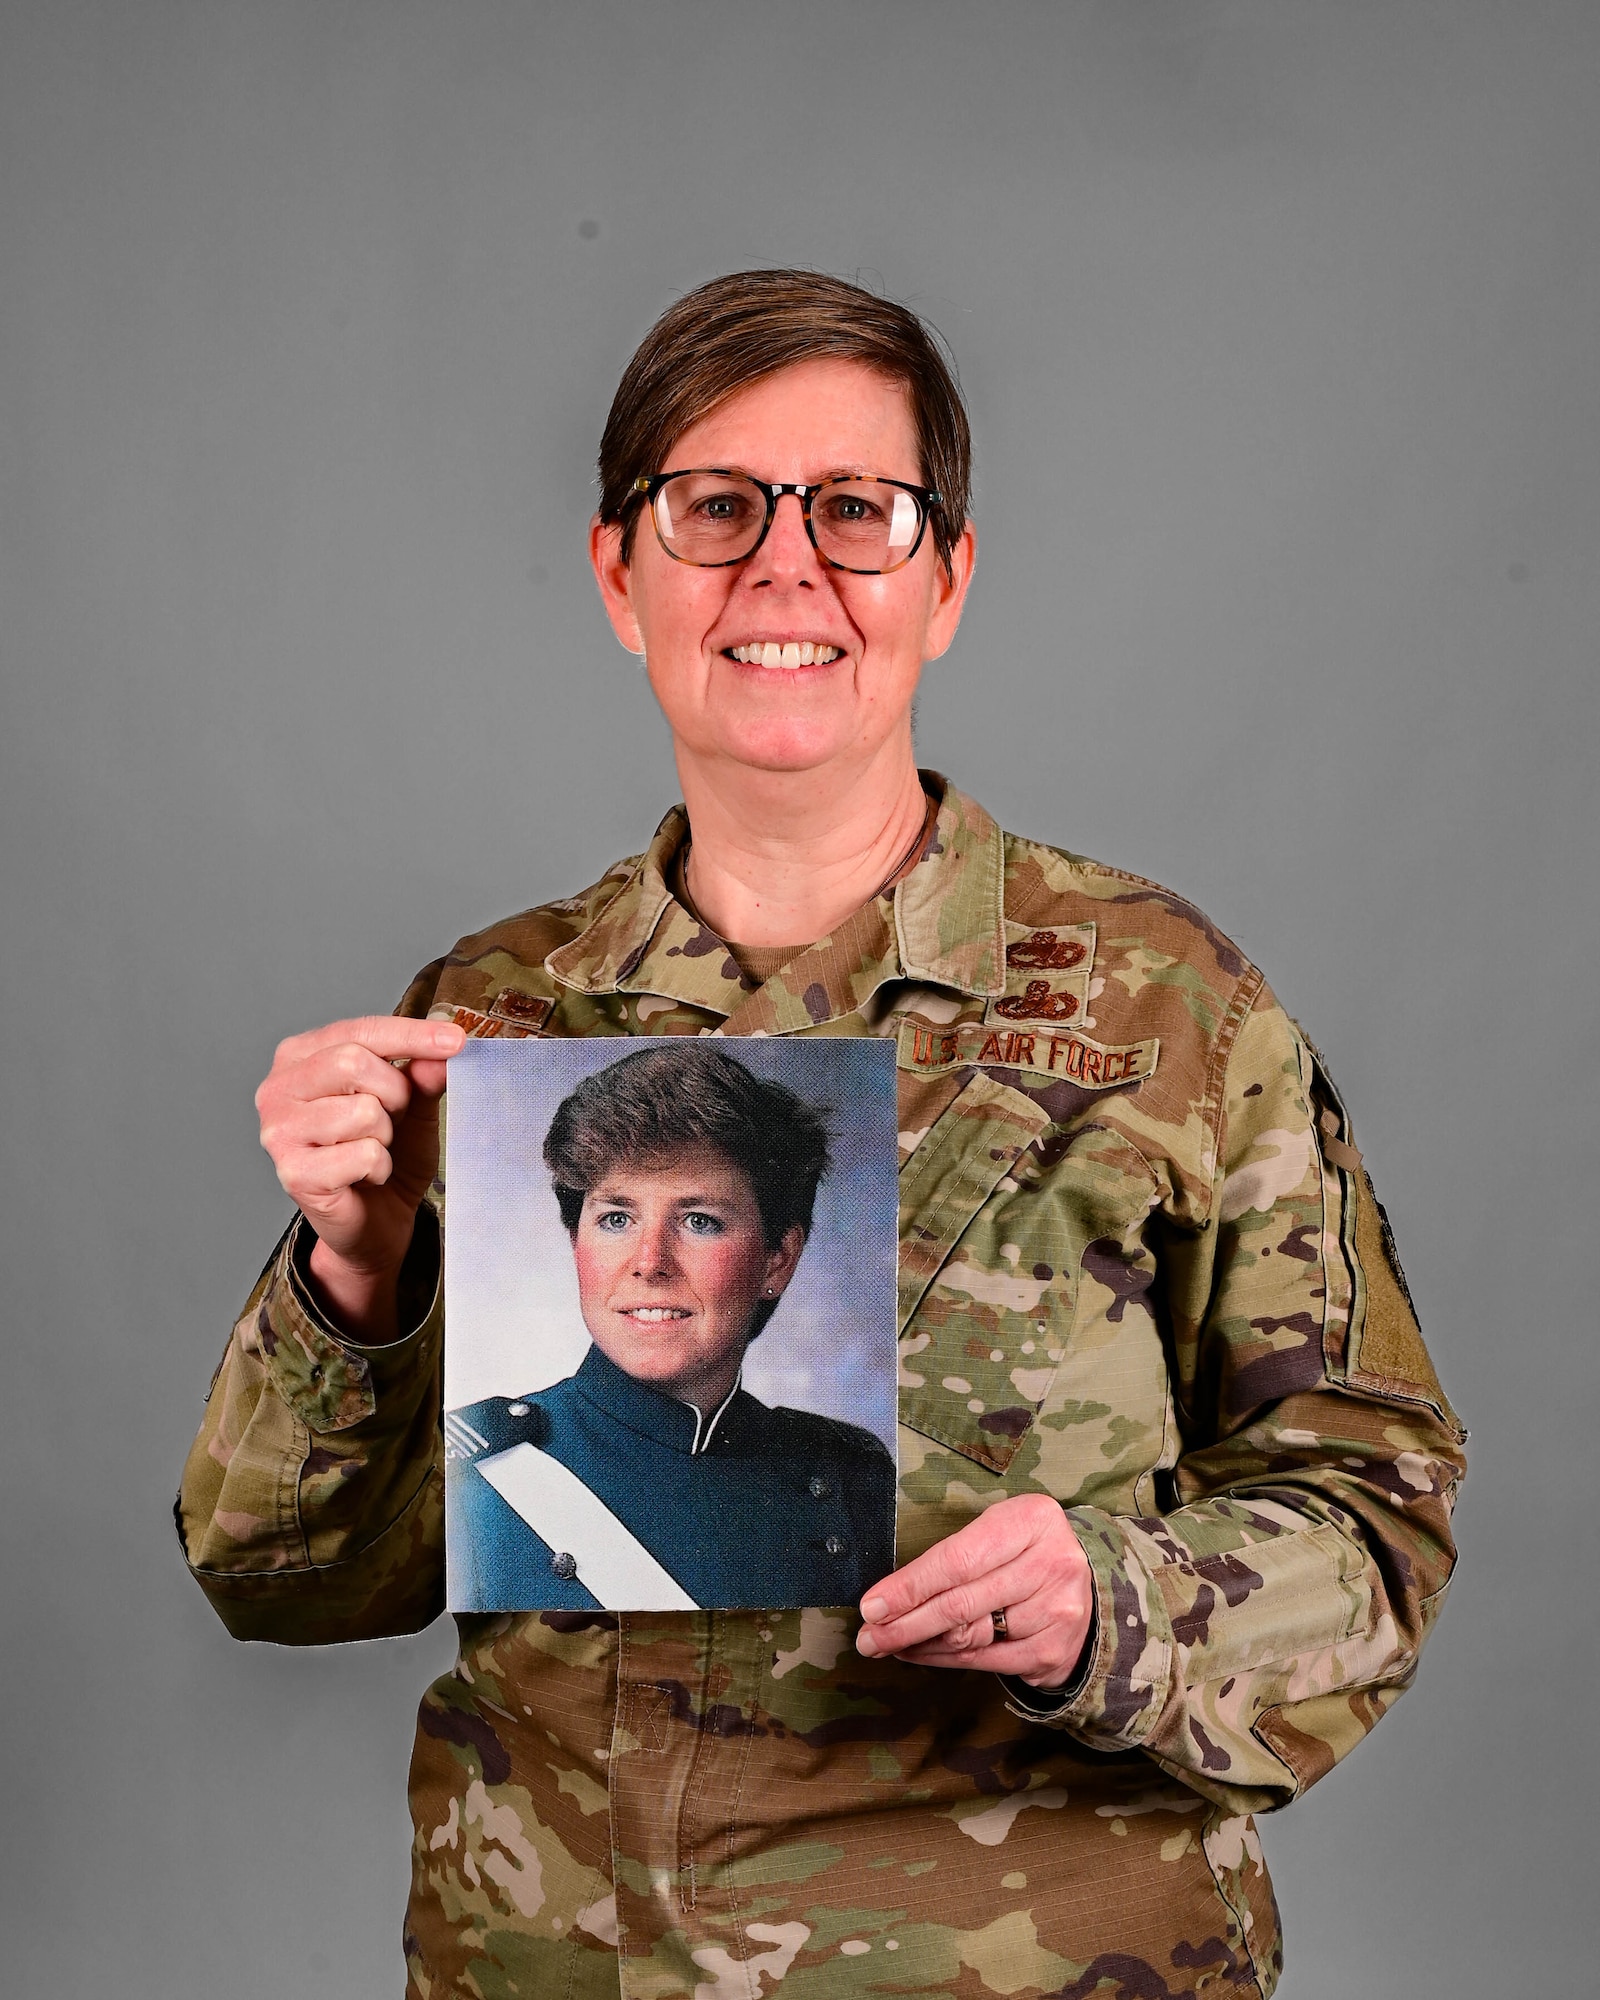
(963,1605)
(954,1573)
(1045,1636)
(354,1136)
(1047,1660)
(313,1071)
(391,1037)
(336,1111)
(996,1537)
(340,1071)
(1020,1556)
(310,1175)
(332,1121)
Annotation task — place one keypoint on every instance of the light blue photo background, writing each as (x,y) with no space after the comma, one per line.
(511,1296)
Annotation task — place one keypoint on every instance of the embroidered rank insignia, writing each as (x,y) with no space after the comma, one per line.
(528,1010)
(1066,1055)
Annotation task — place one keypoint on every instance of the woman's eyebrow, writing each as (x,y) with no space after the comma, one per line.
(616,1199)
(832,472)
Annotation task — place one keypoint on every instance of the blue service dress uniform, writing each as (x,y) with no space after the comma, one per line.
(759,1507)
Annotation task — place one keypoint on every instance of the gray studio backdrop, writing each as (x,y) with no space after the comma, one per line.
(1279,321)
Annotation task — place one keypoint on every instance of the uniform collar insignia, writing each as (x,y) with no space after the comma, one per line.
(942,925)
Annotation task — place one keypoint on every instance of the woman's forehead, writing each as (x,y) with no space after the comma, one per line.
(697,1169)
(805,422)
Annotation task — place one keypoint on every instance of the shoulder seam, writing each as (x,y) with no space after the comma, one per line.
(1245,995)
(1087,864)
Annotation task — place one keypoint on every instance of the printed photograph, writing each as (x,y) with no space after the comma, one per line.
(670,1294)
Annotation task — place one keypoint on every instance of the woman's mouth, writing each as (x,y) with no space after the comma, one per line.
(791,653)
(655,1315)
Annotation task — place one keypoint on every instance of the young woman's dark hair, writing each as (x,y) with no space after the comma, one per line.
(665,1100)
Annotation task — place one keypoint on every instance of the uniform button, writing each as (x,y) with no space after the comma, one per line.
(835,1545)
(565,1566)
(516,1409)
(820,1488)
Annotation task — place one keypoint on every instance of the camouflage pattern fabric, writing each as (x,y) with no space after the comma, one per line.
(1143,1271)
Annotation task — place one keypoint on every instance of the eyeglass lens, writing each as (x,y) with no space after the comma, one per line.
(717,517)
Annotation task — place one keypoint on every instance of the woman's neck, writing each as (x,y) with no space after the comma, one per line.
(783,857)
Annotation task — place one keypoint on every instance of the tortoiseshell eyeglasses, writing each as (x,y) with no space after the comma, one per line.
(711,517)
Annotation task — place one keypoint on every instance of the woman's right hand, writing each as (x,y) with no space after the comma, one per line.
(356,1144)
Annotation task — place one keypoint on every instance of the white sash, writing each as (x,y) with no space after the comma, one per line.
(613,1564)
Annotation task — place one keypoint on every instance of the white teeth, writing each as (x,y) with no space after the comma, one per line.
(790,654)
(654,1315)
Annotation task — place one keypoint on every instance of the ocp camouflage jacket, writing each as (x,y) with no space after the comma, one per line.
(1142,1270)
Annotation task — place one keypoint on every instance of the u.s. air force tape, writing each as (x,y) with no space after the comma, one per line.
(1070,1057)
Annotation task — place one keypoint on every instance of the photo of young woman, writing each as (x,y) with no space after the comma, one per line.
(650,1478)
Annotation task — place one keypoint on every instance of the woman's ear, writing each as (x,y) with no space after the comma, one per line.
(950,591)
(781,1262)
(612,574)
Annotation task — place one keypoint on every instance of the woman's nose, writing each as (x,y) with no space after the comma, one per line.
(786,555)
(652,1251)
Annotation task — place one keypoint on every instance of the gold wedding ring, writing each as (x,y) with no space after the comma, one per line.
(1001,1634)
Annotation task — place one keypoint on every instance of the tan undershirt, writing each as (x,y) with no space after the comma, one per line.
(758,963)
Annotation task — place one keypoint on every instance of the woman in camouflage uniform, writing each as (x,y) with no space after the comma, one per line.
(1175,1469)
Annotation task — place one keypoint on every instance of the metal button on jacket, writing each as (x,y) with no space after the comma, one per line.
(820,1488)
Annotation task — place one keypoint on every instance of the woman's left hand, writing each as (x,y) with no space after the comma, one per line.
(1019,1557)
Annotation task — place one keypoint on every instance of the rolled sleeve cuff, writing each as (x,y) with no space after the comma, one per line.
(1121,1686)
(329,1381)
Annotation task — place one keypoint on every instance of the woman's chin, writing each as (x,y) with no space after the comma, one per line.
(786,745)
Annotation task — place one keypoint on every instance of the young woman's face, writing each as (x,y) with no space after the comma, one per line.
(672,1263)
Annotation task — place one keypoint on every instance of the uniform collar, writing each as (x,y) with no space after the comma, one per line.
(942,925)
(650,1412)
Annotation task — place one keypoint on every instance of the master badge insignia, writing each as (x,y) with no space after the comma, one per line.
(1044,951)
(1047,975)
(1036,1002)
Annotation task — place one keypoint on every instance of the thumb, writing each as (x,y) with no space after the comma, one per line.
(427,1077)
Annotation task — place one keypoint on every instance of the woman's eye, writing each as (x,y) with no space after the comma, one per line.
(851,510)
(698,1223)
(721,508)
(613,1221)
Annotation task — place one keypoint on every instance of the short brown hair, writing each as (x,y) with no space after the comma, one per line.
(659,1102)
(736,330)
